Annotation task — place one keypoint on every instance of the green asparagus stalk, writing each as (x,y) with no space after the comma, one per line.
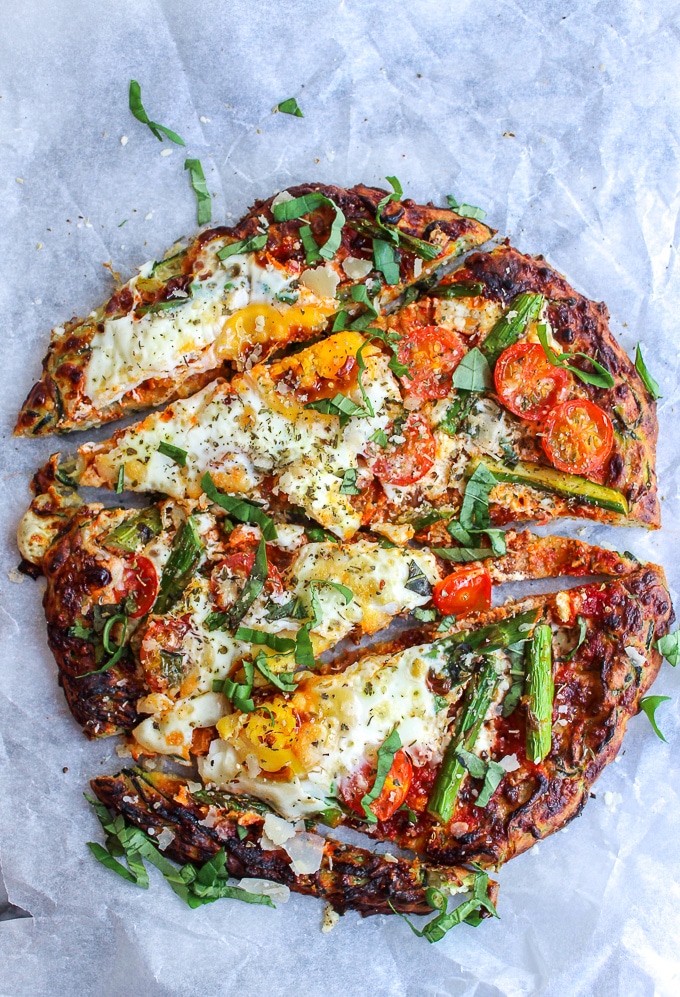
(478,698)
(524,308)
(180,566)
(540,692)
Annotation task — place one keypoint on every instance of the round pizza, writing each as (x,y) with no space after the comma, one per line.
(355,407)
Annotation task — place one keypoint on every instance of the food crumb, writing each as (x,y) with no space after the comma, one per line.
(123,140)
(204,120)
(330,919)
(16,577)
(166,152)
(147,218)
(65,768)
(19,180)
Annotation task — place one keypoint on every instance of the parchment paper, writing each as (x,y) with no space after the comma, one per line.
(562,120)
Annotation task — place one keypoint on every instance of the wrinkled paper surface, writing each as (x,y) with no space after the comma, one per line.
(561,119)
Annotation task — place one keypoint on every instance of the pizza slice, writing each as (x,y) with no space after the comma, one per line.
(232,296)
(232,837)
(464,747)
(463,403)
(147,610)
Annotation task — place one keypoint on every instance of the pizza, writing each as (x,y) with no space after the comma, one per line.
(307,614)
(232,296)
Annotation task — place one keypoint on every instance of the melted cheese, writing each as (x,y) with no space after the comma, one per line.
(377,578)
(245,431)
(353,713)
(233,307)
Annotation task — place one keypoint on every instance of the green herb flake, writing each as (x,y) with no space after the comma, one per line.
(582,632)
(200,188)
(446,623)
(290,106)
(649,705)
(137,108)
(647,379)
(174,453)
(318,535)
(251,245)
(120,480)
(424,615)
(386,753)
(380,437)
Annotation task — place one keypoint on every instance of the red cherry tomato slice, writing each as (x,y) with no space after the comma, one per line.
(394,791)
(431,354)
(467,590)
(406,462)
(527,383)
(140,583)
(579,436)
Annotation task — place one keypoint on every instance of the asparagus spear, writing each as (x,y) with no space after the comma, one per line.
(184,557)
(478,698)
(540,690)
(524,309)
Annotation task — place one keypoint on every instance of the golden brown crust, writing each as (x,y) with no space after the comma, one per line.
(57,402)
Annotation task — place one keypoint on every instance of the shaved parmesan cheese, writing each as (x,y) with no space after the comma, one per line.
(635,656)
(355,268)
(281,198)
(165,838)
(509,763)
(323,281)
(279,893)
(277,829)
(306,852)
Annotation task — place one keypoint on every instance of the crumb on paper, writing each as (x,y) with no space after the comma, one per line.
(204,120)
(147,218)
(16,577)
(123,140)
(612,800)
(166,152)
(330,919)
(19,180)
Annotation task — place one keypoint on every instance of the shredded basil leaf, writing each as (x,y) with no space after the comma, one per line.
(203,199)
(250,591)
(601,378)
(647,379)
(250,245)
(649,705)
(299,206)
(457,412)
(446,623)
(339,405)
(468,912)
(424,615)
(463,555)
(492,780)
(440,703)
(669,646)
(140,528)
(466,538)
(475,765)
(137,108)
(344,591)
(466,210)
(349,482)
(285,681)
(120,480)
(282,645)
(459,289)
(245,512)
(174,453)
(381,438)
(317,535)
(582,631)
(290,106)
(385,260)
(473,372)
(386,753)
(474,513)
